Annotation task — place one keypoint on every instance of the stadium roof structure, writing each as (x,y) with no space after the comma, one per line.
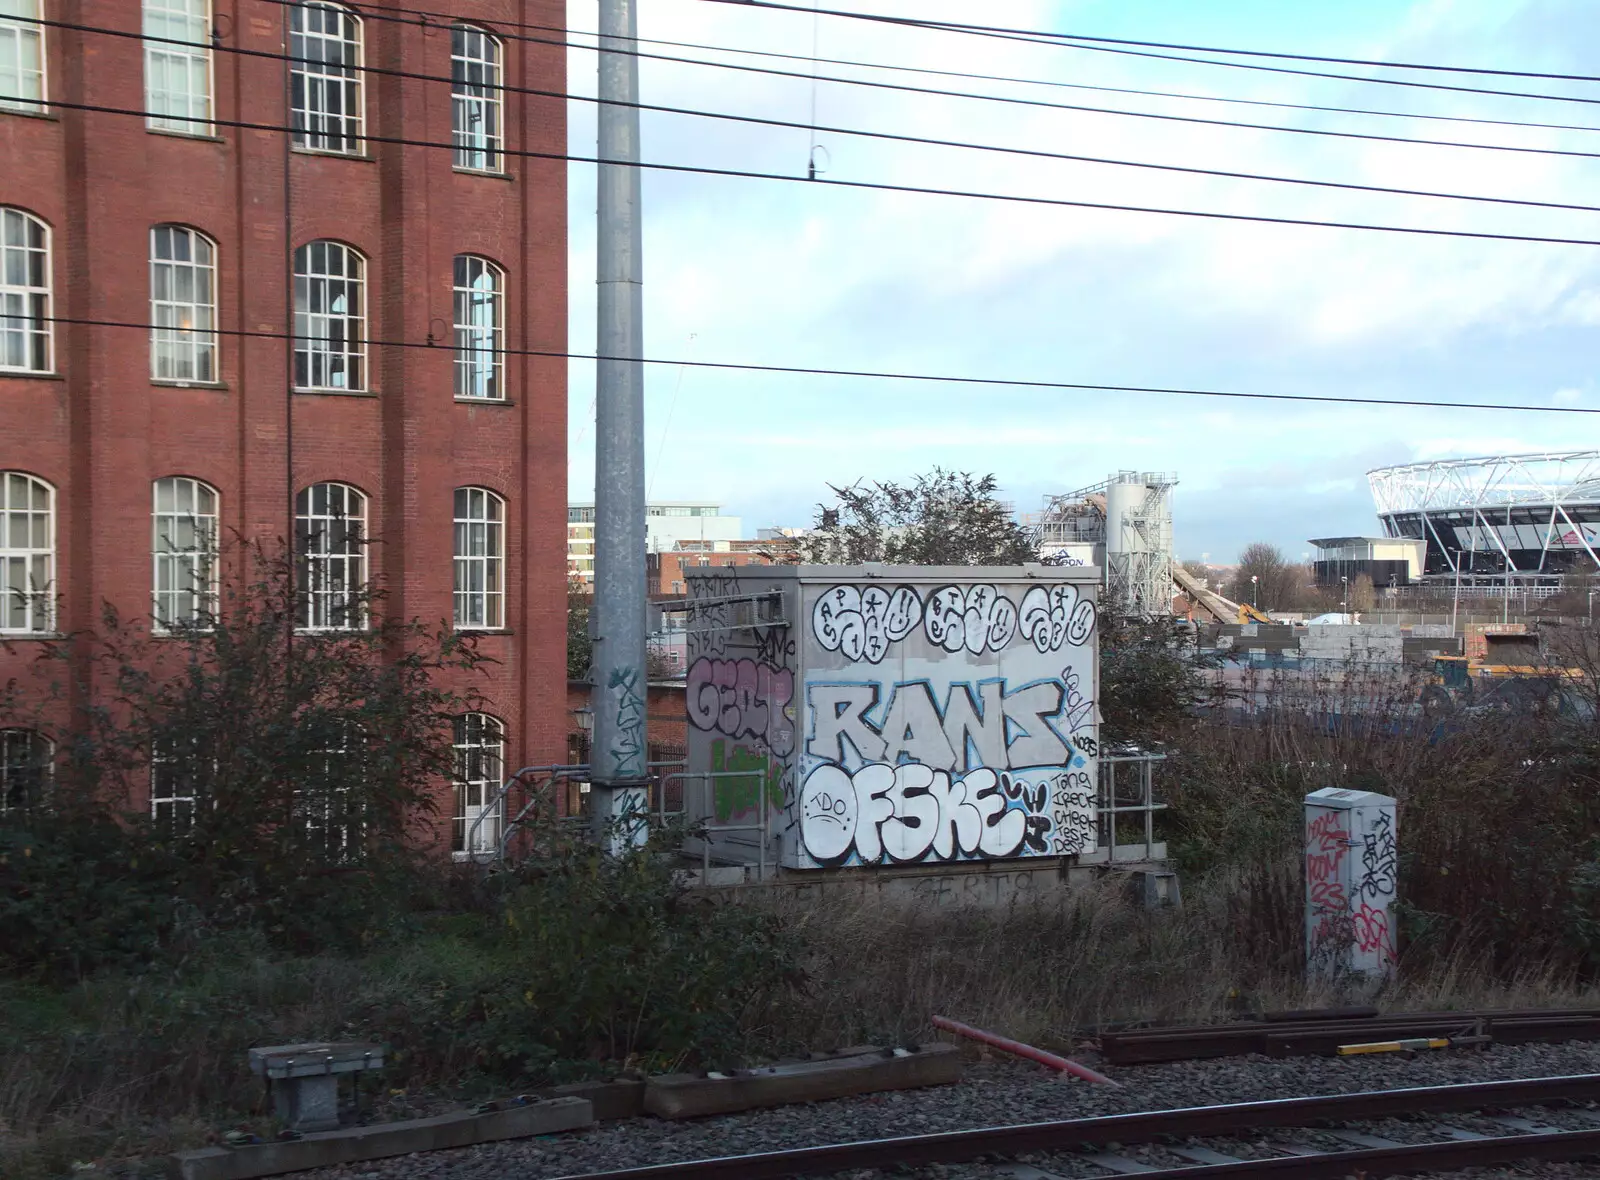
(1528,516)
(1496,481)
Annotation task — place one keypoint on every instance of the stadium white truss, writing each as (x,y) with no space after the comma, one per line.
(1527,515)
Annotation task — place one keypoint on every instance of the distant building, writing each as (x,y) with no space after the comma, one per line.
(1388,561)
(667,524)
(664,571)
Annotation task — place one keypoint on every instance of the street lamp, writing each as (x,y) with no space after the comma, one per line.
(1255,598)
(1346,596)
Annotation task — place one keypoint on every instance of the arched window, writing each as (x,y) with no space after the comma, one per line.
(480,556)
(475,66)
(177,66)
(325,81)
(27,554)
(183,527)
(480,746)
(24,292)
(27,759)
(329,317)
(331,552)
(21,56)
(183,305)
(480,320)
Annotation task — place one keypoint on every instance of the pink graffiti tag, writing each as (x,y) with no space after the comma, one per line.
(1326,846)
(1371,928)
(1328,897)
(741,698)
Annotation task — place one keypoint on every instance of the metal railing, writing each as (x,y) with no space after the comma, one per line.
(709,831)
(1126,795)
(1127,788)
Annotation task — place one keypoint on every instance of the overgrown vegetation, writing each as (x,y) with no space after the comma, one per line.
(291,889)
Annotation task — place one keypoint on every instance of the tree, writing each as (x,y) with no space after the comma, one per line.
(580,647)
(290,774)
(1279,585)
(942,518)
(1363,595)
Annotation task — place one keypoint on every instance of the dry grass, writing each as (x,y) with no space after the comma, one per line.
(118,1067)
(1049,973)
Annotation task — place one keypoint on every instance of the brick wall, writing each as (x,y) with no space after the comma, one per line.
(100,430)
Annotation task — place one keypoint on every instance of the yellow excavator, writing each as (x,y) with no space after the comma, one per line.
(1223,610)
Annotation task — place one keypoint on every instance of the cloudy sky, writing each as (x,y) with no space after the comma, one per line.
(805,274)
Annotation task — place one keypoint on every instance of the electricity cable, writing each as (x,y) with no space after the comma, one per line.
(872,374)
(423,16)
(880,186)
(862,82)
(1010,99)
(920,140)
(1071,40)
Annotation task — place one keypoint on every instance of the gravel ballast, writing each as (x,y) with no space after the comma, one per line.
(993,1093)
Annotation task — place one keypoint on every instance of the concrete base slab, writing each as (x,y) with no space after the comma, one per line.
(352,1144)
(677,1096)
(619,1099)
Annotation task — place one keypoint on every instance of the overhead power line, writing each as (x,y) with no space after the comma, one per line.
(1053,35)
(1009,100)
(915,139)
(889,375)
(1054,40)
(880,186)
(399,15)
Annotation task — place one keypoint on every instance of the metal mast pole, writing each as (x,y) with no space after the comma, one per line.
(618,756)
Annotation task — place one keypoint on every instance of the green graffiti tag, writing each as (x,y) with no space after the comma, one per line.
(739,796)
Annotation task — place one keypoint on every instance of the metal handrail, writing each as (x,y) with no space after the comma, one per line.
(555,773)
(761,826)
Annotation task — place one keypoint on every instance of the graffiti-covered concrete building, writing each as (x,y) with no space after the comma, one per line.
(877,716)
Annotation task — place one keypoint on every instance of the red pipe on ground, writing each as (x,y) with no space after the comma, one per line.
(1049,1060)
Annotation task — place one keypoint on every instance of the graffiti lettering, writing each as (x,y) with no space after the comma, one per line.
(913,812)
(916,729)
(862,623)
(1370,929)
(1378,859)
(741,698)
(627,746)
(978,618)
(1074,812)
(754,772)
(708,618)
(1326,845)
(1086,743)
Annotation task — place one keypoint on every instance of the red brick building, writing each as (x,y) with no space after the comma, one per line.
(207,328)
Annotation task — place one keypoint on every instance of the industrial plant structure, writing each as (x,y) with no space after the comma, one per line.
(1123,525)
(1498,524)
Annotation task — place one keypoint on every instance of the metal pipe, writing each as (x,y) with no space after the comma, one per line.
(618,693)
(1006,1044)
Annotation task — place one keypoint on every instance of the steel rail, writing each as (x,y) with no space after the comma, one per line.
(1401,1159)
(1148,1126)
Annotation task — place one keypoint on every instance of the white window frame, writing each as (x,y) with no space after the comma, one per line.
(480,560)
(170,808)
(479,310)
(183,305)
(25,754)
(188,22)
(330,317)
(184,553)
(480,768)
(27,332)
(20,37)
(338,835)
(331,578)
(327,104)
(30,563)
(477,110)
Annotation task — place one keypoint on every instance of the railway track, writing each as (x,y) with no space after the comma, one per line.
(1298,1138)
